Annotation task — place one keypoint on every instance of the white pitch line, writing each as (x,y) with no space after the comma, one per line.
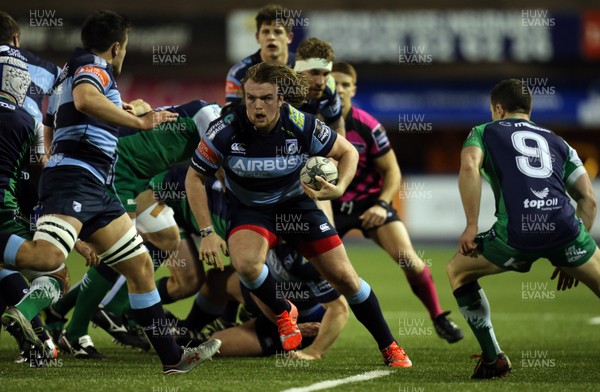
(334,383)
(595,321)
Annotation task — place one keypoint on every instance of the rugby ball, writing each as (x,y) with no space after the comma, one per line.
(318,166)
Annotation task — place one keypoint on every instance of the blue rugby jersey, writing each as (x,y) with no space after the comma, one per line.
(80,140)
(233,84)
(43,75)
(529,168)
(262,170)
(329,105)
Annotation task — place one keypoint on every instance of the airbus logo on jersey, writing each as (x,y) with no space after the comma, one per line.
(266,167)
(239,148)
(541,203)
(76,206)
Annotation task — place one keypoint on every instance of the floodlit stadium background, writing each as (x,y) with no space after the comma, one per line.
(425,71)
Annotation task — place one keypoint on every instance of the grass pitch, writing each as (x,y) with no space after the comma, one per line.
(546,334)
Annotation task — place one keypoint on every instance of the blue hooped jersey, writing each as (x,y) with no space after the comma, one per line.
(329,105)
(43,75)
(262,170)
(79,139)
(529,169)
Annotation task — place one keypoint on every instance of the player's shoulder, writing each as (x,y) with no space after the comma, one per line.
(297,120)
(15,115)
(40,62)
(238,70)
(224,127)
(363,118)
(14,52)
(83,61)
(188,109)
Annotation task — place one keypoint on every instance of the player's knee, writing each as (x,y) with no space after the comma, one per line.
(345,282)
(450,270)
(52,242)
(48,257)
(457,275)
(249,266)
(157,223)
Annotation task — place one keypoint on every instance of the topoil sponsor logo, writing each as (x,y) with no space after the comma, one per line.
(541,201)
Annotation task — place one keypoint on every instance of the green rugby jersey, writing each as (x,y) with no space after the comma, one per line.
(529,169)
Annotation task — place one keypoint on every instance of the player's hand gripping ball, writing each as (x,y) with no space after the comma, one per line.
(318,166)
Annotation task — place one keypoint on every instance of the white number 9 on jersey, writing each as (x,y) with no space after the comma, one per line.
(535,161)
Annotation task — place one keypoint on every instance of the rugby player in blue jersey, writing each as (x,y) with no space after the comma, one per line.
(262,147)
(73,195)
(273,34)
(315,61)
(532,173)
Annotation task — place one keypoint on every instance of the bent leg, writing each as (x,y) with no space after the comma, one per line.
(335,267)
(187,274)
(463,272)
(393,237)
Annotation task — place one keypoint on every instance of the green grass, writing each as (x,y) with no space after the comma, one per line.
(556,327)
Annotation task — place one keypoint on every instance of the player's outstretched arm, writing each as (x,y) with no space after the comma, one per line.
(332,324)
(91,102)
(469,185)
(582,192)
(211,244)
